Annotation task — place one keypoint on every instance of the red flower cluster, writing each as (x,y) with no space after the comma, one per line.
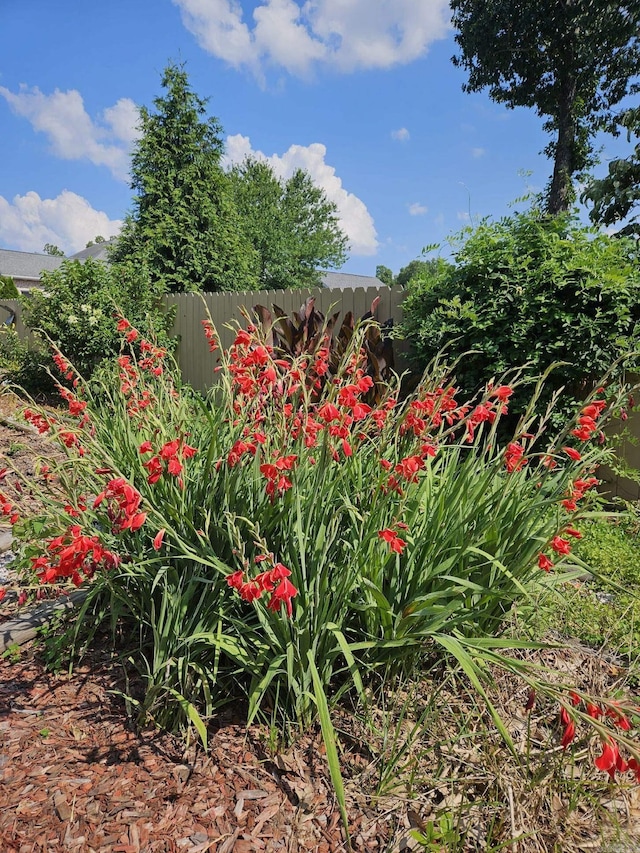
(277,481)
(76,406)
(63,365)
(587,422)
(210,334)
(610,761)
(169,458)
(275,582)
(390,536)
(578,491)
(8,509)
(123,505)
(73,555)
(40,422)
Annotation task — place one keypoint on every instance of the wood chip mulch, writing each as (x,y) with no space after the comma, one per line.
(75,776)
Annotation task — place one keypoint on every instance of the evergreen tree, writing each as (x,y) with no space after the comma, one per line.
(184,227)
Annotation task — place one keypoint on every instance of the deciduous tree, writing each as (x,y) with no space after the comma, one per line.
(571,60)
(291,225)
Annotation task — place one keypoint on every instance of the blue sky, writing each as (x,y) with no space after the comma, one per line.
(361,93)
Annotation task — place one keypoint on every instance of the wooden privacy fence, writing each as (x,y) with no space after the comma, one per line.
(197,364)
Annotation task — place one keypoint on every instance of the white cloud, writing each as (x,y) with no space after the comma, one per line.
(463,216)
(402,134)
(345,34)
(68,221)
(355,219)
(478,152)
(72,133)
(417,209)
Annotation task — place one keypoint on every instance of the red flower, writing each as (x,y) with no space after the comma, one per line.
(572,453)
(283,594)
(157,540)
(393,540)
(502,393)
(3,592)
(235,580)
(560,545)
(610,760)
(544,563)
(569,728)
(145,447)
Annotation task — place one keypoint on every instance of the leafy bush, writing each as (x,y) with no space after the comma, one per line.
(529,288)
(282,540)
(22,364)
(78,305)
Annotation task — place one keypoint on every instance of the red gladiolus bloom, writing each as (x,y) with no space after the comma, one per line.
(569,728)
(283,593)
(145,447)
(157,539)
(560,545)
(502,393)
(394,542)
(571,531)
(235,580)
(3,592)
(594,710)
(572,453)
(544,563)
(610,760)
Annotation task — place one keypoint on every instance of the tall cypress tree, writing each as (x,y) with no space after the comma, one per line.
(184,227)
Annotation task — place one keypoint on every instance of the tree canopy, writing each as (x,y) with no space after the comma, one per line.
(184,228)
(291,225)
(571,60)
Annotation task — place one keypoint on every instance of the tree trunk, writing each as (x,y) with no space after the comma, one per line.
(561,192)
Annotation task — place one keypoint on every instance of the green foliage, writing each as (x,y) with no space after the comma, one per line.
(385,275)
(423,271)
(605,610)
(22,363)
(78,305)
(184,228)
(571,62)
(291,225)
(616,196)
(8,289)
(532,289)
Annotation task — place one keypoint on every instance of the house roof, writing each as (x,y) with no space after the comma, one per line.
(99,251)
(27,265)
(347,280)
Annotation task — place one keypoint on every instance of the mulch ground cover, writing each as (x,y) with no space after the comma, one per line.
(74,775)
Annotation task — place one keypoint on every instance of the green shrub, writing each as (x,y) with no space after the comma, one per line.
(529,288)
(78,306)
(22,364)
